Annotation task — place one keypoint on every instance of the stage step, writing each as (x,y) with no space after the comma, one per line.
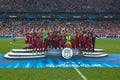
(21,50)
(25,54)
(23,57)
(93,55)
(99,50)
(96,53)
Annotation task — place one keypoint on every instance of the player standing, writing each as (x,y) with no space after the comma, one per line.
(84,42)
(68,40)
(80,39)
(27,41)
(62,42)
(93,40)
(14,36)
(34,42)
(46,43)
(40,43)
(90,43)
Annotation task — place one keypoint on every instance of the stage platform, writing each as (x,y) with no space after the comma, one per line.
(24,54)
(97,53)
(28,54)
(111,61)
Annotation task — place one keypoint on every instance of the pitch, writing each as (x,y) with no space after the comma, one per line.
(110,45)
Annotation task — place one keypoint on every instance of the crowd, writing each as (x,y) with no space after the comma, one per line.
(102,28)
(60,4)
(60,33)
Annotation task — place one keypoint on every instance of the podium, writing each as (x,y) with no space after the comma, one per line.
(29,54)
(97,53)
(24,54)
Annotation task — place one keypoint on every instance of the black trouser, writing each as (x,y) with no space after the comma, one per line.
(93,40)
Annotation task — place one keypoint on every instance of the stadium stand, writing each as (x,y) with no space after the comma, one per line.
(20,16)
(102,28)
(60,4)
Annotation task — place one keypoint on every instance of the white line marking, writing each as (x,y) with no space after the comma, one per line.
(84,78)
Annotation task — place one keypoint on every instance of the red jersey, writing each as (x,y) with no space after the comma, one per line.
(80,38)
(34,40)
(62,42)
(90,39)
(84,40)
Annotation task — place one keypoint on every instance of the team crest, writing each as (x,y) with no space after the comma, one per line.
(67,53)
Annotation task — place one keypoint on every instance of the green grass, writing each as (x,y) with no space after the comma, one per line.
(110,45)
(39,74)
(60,74)
(7,44)
(101,73)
